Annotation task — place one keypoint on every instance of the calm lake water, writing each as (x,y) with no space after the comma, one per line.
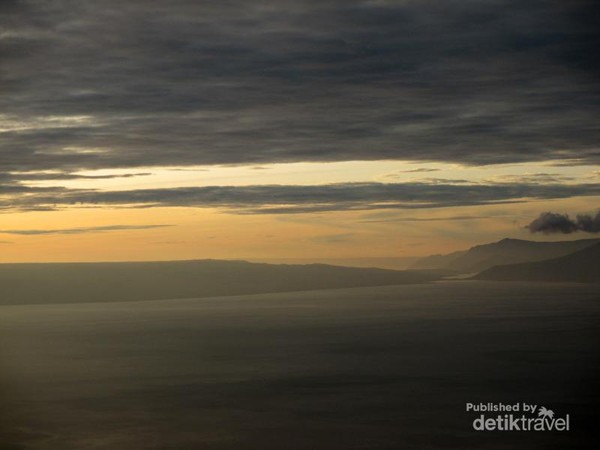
(366,368)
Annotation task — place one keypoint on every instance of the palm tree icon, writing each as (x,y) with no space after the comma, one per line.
(543,412)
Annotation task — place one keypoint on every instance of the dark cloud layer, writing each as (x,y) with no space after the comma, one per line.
(278,199)
(550,222)
(89,84)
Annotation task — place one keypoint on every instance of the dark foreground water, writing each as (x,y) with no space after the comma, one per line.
(365,368)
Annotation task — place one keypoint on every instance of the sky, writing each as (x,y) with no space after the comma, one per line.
(153,130)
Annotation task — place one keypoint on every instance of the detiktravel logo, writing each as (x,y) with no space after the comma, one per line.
(516,417)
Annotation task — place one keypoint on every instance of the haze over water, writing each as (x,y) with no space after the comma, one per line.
(369,368)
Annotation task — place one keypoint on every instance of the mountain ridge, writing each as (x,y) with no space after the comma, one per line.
(502,252)
(580,266)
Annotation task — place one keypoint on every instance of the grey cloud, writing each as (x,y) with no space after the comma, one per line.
(82,230)
(17,188)
(590,224)
(431,180)
(19,177)
(549,222)
(278,199)
(187,82)
(421,170)
(13,185)
(399,174)
(532,178)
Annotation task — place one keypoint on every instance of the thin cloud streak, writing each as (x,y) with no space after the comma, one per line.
(428,219)
(83,230)
(61,176)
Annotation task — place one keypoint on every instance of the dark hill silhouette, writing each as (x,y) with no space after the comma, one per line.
(91,282)
(580,266)
(506,251)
